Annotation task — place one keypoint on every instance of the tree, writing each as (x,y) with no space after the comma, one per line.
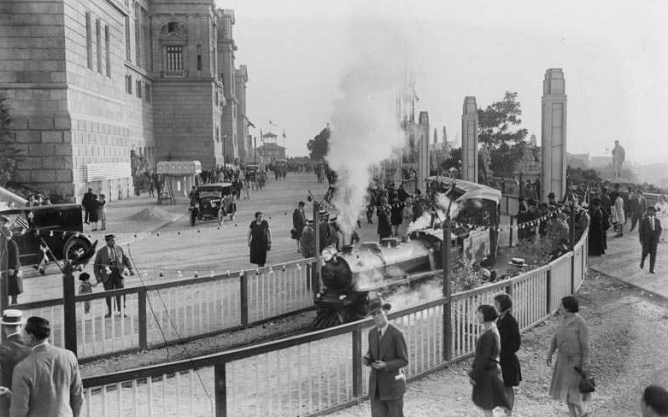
(452,161)
(498,127)
(319,145)
(579,176)
(10,157)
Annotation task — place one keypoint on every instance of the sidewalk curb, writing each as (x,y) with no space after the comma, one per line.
(638,287)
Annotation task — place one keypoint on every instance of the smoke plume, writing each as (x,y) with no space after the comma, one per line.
(365,128)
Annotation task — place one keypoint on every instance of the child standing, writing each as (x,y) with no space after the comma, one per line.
(102,211)
(85,288)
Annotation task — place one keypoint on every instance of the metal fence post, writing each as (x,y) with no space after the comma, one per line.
(4,291)
(243,292)
(548,292)
(143,319)
(70,310)
(447,292)
(220,393)
(357,362)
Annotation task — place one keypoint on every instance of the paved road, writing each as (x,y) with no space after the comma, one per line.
(622,261)
(165,247)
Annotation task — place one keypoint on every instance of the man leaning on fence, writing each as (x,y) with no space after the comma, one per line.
(387,356)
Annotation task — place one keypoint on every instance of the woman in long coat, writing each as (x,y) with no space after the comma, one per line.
(572,343)
(259,240)
(15,280)
(596,228)
(485,376)
(509,332)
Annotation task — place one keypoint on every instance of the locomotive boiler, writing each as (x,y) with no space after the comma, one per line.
(350,277)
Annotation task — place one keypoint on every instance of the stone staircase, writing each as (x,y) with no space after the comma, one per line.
(7,197)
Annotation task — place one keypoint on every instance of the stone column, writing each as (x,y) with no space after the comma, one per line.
(470,140)
(553,135)
(423,153)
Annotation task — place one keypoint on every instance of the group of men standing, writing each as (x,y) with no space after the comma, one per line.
(616,208)
(37,379)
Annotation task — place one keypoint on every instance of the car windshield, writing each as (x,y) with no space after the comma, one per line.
(209,193)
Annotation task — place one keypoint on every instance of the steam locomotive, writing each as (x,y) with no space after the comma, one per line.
(351,277)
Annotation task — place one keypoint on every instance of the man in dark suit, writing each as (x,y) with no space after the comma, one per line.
(88,203)
(109,266)
(12,351)
(47,382)
(387,356)
(650,232)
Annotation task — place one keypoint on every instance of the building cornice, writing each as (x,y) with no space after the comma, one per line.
(139,70)
(116,4)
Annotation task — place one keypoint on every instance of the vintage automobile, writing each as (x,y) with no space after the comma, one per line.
(56,230)
(212,201)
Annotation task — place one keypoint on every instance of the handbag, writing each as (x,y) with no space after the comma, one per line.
(586,385)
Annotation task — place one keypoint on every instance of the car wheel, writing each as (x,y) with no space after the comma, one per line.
(193,218)
(75,248)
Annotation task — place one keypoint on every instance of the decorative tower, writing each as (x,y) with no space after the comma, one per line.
(553,135)
(470,140)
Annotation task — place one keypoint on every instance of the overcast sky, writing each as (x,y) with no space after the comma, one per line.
(613,54)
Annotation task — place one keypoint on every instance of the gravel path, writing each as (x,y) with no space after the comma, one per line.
(629,332)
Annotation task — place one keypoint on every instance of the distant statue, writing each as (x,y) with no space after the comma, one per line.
(618,157)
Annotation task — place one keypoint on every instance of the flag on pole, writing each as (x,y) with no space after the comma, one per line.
(284,137)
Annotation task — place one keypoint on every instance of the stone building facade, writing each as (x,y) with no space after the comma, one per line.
(95,84)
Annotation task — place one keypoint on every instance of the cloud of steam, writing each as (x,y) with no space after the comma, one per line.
(442,202)
(365,129)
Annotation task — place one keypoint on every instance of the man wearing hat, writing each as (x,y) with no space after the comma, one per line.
(12,351)
(298,223)
(110,263)
(650,232)
(307,240)
(47,382)
(387,355)
(88,203)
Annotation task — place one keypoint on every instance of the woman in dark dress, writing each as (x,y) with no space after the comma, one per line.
(396,216)
(488,389)
(259,240)
(597,228)
(509,332)
(15,280)
(384,228)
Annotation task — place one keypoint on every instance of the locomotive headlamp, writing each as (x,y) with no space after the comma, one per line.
(328,254)
(342,297)
(318,295)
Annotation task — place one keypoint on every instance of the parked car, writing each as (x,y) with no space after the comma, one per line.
(59,228)
(212,201)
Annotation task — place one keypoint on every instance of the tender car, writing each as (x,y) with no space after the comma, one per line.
(212,202)
(55,229)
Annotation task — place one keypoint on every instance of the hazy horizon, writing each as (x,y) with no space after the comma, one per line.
(613,58)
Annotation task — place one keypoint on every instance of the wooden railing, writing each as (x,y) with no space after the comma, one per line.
(173,312)
(322,371)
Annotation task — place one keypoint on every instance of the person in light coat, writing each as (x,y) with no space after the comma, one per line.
(617,215)
(47,382)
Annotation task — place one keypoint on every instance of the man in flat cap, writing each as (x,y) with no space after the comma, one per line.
(109,266)
(387,355)
(12,351)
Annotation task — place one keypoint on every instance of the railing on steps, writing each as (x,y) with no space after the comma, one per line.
(322,371)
